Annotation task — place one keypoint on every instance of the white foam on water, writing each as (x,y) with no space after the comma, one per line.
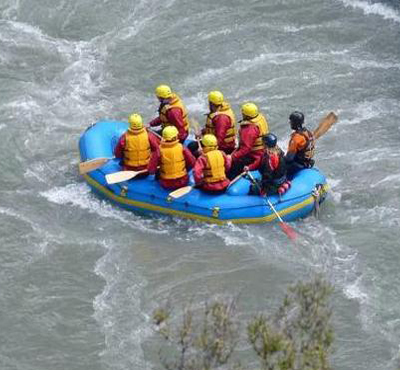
(2,125)
(206,35)
(243,65)
(367,110)
(197,104)
(19,34)
(393,179)
(79,195)
(355,291)
(333,183)
(293,29)
(369,8)
(11,12)
(44,238)
(118,309)
(359,64)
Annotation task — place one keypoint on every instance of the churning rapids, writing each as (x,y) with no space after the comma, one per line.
(79,278)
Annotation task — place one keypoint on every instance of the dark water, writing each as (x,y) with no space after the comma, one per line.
(79,278)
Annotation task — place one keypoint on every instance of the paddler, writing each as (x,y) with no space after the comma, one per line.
(171,112)
(211,167)
(301,147)
(221,122)
(174,160)
(272,168)
(138,147)
(253,127)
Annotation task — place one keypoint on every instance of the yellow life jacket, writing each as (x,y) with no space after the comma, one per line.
(215,167)
(175,102)
(225,108)
(261,122)
(137,149)
(173,165)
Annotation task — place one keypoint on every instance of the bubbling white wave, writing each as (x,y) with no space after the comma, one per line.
(374,8)
(79,195)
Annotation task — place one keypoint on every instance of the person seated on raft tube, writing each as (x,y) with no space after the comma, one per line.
(253,127)
(138,147)
(221,122)
(174,160)
(272,169)
(301,145)
(171,112)
(211,167)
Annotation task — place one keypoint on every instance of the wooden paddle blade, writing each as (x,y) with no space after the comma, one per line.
(114,178)
(91,165)
(292,235)
(325,125)
(180,192)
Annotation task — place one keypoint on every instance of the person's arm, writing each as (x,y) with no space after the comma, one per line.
(222,123)
(154,140)
(175,117)
(228,162)
(189,158)
(119,149)
(254,165)
(248,136)
(155,153)
(155,122)
(198,171)
(295,144)
(154,162)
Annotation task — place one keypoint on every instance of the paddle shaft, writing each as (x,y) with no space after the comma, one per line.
(253,180)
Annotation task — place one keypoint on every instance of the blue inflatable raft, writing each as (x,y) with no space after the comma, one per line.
(308,189)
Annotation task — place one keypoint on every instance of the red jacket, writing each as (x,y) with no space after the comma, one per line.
(198,173)
(178,183)
(155,153)
(247,137)
(174,116)
(222,123)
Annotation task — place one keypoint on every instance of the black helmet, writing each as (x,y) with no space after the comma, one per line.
(296,119)
(270,140)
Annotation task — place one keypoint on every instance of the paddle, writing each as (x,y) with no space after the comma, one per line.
(180,192)
(292,235)
(113,178)
(196,127)
(187,189)
(154,132)
(325,124)
(91,165)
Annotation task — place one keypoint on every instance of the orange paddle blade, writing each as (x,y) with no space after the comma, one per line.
(292,235)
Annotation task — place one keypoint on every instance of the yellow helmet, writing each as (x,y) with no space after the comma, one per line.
(163,92)
(209,140)
(135,121)
(170,133)
(250,110)
(215,97)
